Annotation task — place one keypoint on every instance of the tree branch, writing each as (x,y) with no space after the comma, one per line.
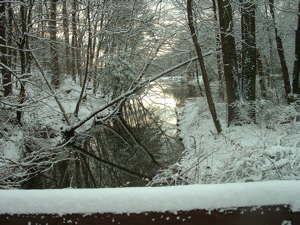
(202,66)
(51,89)
(106,163)
(69,131)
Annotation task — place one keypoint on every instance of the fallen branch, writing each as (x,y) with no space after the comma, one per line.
(51,88)
(69,131)
(106,163)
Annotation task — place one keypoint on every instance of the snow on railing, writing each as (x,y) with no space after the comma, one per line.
(268,202)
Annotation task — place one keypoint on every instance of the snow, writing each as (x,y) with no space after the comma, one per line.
(269,150)
(158,199)
(243,153)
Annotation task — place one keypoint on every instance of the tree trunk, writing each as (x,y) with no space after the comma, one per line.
(66,36)
(55,79)
(218,51)
(87,62)
(296,89)
(6,74)
(262,78)
(74,41)
(203,69)
(248,55)
(284,68)
(25,15)
(229,59)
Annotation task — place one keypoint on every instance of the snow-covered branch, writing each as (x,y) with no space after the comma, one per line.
(69,131)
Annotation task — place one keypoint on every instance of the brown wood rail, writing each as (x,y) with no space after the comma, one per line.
(260,215)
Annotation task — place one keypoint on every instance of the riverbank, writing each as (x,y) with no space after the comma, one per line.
(36,146)
(268,150)
(120,143)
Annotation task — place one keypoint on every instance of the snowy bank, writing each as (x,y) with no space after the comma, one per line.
(156,199)
(268,150)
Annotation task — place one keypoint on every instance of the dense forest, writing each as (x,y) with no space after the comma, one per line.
(70,69)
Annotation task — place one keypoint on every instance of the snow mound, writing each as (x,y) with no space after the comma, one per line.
(268,150)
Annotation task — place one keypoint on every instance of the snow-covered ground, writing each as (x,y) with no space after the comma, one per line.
(268,150)
(42,128)
(157,199)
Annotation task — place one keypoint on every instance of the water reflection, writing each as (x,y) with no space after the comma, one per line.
(129,149)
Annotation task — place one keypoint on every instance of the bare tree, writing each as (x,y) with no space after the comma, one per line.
(280,50)
(66,36)
(296,70)
(87,64)
(23,45)
(248,82)
(218,51)
(202,66)
(55,80)
(229,59)
(74,42)
(6,74)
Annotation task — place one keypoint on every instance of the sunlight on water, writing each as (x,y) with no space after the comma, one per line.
(155,97)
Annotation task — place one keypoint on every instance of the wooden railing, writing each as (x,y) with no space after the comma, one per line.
(263,215)
(261,203)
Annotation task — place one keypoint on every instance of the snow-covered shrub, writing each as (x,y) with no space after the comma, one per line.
(173,175)
(275,163)
(269,150)
(244,108)
(116,77)
(14,171)
(27,152)
(270,114)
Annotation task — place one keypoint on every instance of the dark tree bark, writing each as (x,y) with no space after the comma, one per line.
(296,71)
(55,79)
(11,53)
(87,64)
(218,52)
(25,16)
(76,44)
(66,36)
(202,66)
(262,78)
(284,68)
(6,74)
(74,41)
(229,59)
(248,55)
